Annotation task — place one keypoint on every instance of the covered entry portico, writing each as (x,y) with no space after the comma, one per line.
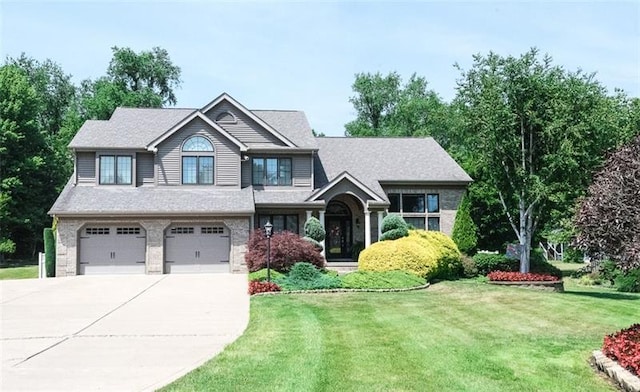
(347,217)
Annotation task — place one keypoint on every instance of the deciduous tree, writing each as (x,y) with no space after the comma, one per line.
(608,219)
(534,132)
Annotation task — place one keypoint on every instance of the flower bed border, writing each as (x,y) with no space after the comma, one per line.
(324,291)
(555,285)
(625,379)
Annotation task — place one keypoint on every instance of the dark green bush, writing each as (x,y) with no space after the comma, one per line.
(393,227)
(394,234)
(465,231)
(628,282)
(391,222)
(469,269)
(487,262)
(305,276)
(539,265)
(49,252)
(314,230)
(381,280)
(261,275)
(572,255)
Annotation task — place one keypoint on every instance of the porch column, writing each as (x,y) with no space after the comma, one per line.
(367,228)
(308,215)
(321,219)
(380,217)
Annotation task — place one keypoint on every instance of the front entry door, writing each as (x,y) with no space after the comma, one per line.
(339,237)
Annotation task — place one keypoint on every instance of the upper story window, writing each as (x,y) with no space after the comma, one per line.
(433,202)
(271,171)
(197,161)
(116,169)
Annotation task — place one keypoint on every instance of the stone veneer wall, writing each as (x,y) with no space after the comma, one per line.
(67,250)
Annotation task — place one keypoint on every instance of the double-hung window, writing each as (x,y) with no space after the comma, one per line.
(197,161)
(116,169)
(271,171)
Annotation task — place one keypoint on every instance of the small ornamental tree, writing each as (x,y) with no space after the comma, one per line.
(286,249)
(465,231)
(393,227)
(314,232)
(608,219)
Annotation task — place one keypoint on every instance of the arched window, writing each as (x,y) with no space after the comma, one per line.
(197,161)
(226,117)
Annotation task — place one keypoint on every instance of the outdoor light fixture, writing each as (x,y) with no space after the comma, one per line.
(268,230)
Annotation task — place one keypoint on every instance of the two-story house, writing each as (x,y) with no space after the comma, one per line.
(179,190)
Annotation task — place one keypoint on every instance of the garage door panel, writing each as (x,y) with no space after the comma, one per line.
(196,248)
(112,249)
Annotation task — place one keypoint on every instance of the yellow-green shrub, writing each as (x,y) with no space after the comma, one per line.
(449,257)
(427,254)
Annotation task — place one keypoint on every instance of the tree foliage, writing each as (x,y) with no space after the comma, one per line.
(608,219)
(22,156)
(41,111)
(385,107)
(534,132)
(464,229)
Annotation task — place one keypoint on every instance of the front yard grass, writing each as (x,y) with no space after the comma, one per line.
(19,272)
(454,336)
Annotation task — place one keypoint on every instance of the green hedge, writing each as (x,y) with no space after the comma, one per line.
(381,280)
(49,252)
(486,262)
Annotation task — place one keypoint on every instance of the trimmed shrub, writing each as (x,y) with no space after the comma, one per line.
(305,276)
(428,254)
(261,275)
(449,258)
(313,229)
(393,227)
(49,252)
(469,269)
(286,249)
(465,231)
(256,287)
(487,262)
(314,233)
(381,280)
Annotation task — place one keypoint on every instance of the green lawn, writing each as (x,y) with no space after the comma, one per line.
(21,272)
(454,336)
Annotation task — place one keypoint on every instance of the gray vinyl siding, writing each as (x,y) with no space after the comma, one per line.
(86,167)
(227,155)
(244,129)
(301,171)
(144,168)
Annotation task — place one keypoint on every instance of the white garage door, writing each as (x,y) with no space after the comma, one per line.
(106,249)
(197,248)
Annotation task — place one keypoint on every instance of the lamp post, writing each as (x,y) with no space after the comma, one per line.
(268,230)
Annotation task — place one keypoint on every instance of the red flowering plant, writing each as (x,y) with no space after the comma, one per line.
(502,276)
(255,287)
(624,347)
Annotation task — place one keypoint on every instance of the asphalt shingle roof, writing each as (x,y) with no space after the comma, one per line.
(290,196)
(91,200)
(375,160)
(128,128)
(292,124)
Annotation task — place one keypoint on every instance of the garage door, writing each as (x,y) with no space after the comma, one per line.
(197,248)
(107,249)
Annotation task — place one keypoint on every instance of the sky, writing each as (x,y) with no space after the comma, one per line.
(304,55)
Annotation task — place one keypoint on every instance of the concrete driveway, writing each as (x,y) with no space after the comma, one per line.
(115,333)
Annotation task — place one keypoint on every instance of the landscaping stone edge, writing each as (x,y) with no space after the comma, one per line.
(624,378)
(556,285)
(424,286)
